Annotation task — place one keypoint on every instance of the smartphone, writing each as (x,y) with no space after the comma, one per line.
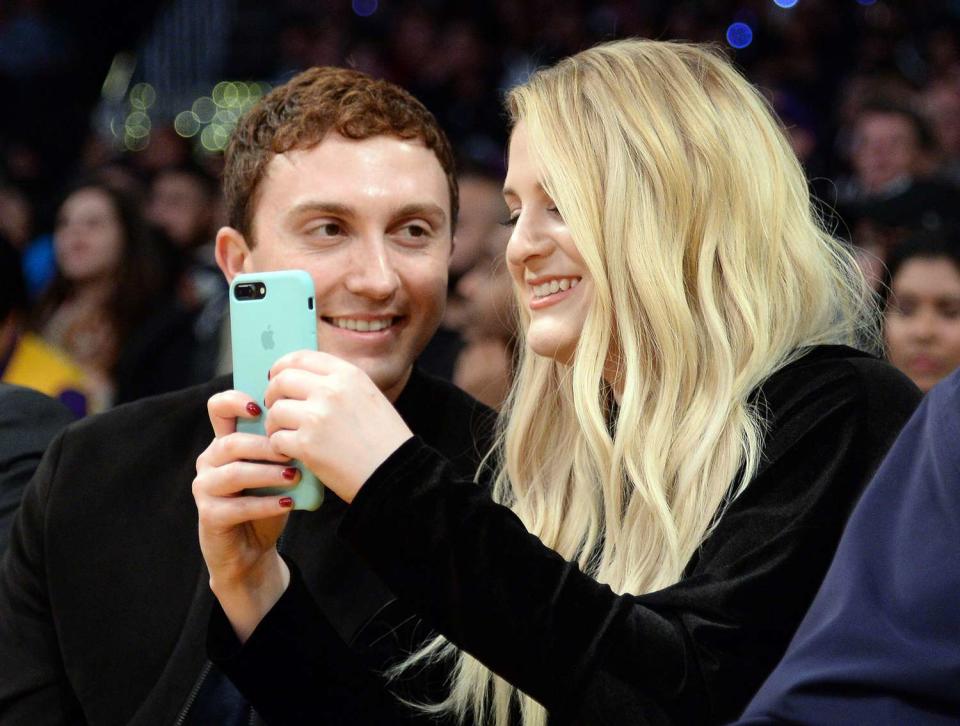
(272,314)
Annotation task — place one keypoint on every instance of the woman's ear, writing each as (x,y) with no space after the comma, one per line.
(232,252)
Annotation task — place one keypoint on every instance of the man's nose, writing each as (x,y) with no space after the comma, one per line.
(924,325)
(372,272)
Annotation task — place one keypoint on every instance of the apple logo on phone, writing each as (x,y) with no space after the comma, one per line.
(266,339)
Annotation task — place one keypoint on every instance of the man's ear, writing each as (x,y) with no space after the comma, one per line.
(232,252)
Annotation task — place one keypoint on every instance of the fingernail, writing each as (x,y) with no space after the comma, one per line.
(253,409)
(286,502)
(290,473)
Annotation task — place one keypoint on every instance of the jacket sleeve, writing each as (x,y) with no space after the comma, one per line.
(28,422)
(295,669)
(694,652)
(881,642)
(33,685)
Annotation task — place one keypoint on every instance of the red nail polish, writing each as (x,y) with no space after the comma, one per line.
(268,375)
(290,473)
(253,409)
(286,502)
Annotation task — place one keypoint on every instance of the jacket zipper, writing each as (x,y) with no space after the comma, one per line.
(185,711)
(193,694)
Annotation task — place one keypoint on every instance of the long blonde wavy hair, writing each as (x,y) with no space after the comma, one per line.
(711,271)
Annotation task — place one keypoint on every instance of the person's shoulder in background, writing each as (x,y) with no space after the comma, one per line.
(29,421)
(881,642)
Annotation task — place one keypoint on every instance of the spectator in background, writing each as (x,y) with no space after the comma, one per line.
(16,216)
(182,203)
(922,311)
(28,422)
(891,194)
(110,276)
(889,148)
(480,238)
(16,224)
(941,105)
(482,213)
(25,359)
(481,302)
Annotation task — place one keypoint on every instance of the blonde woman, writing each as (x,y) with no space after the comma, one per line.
(687,431)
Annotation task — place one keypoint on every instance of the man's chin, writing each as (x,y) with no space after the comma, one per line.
(390,379)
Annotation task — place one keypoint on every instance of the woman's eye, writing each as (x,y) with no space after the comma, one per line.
(511,221)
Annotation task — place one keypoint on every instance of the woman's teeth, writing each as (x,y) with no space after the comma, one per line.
(554,286)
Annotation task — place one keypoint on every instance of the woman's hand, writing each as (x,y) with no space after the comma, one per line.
(238,532)
(329,414)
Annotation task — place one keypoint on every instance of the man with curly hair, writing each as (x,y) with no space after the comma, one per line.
(104,595)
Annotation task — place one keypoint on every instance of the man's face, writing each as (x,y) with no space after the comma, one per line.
(370,221)
(181,207)
(886,149)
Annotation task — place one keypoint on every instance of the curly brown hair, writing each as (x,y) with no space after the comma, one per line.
(301,112)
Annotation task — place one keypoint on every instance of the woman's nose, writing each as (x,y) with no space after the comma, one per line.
(529,239)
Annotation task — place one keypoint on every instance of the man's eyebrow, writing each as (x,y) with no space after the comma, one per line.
(425,209)
(334,208)
(417,209)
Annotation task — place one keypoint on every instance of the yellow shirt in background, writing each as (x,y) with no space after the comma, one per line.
(38,365)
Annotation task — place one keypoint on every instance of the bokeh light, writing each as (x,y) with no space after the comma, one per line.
(142,96)
(186,124)
(785,3)
(137,125)
(867,2)
(739,35)
(204,108)
(364,8)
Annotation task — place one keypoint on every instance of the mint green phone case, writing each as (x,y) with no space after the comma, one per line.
(263,330)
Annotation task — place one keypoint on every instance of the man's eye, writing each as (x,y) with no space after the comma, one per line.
(902,308)
(327,229)
(415,231)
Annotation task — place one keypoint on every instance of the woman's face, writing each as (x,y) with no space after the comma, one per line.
(88,238)
(922,323)
(550,277)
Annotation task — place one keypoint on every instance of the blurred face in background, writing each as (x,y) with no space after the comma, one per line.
(886,148)
(942,105)
(922,321)
(486,291)
(480,234)
(181,206)
(88,237)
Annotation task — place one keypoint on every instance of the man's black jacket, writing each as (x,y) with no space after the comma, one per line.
(104,599)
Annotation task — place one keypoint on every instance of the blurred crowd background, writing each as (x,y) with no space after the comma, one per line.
(114,117)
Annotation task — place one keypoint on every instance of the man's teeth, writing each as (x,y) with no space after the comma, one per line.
(548,288)
(363,326)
